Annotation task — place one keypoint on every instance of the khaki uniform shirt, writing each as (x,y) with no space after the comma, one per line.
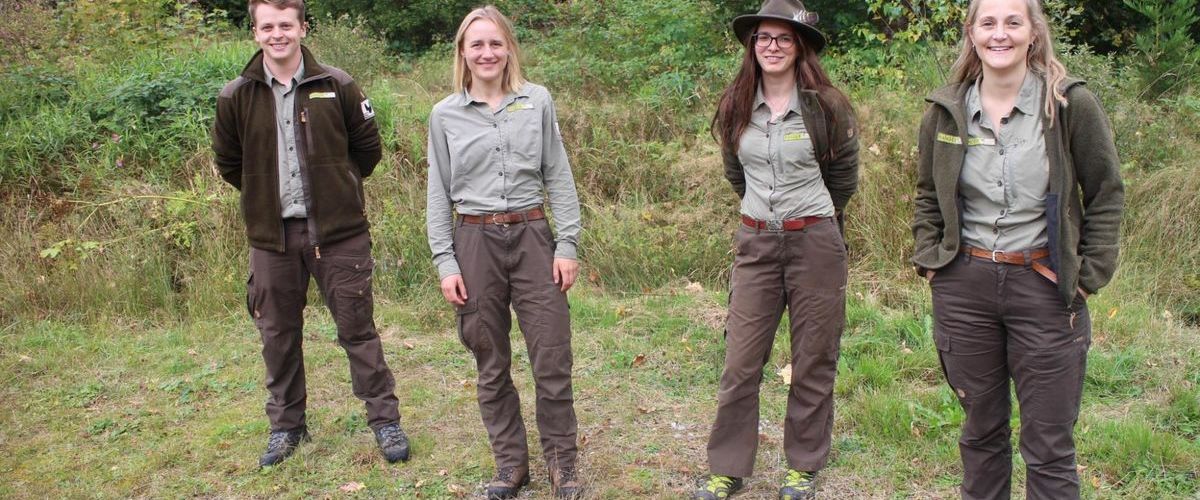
(291,187)
(783,178)
(483,161)
(1005,177)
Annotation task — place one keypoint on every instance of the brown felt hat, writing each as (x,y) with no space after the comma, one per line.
(788,11)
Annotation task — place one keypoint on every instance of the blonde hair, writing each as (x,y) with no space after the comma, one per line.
(1041,58)
(512,79)
(278,4)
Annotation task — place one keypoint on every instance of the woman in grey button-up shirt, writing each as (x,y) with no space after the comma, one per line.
(494,149)
(790,150)
(1017,216)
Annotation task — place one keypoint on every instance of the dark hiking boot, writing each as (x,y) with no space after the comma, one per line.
(507,483)
(281,445)
(718,487)
(393,443)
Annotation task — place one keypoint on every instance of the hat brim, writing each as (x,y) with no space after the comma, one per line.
(743,25)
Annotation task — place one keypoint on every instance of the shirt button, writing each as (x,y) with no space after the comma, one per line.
(289,122)
(500,173)
(291,148)
(497,148)
(1000,183)
(995,231)
(1001,151)
(494,125)
(502,197)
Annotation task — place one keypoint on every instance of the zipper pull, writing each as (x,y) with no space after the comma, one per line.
(304,116)
(318,252)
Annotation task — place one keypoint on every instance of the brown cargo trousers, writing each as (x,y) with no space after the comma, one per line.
(804,271)
(513,263)
(993,322)
(277,292)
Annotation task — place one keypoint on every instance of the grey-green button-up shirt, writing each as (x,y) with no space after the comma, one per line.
(292,198)
(783,178)
(1005,177)
(483,161)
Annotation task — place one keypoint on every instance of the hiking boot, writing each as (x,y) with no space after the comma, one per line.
(507,482)
(718,487)
(798,485)
(565,483)
(392,442)
(282,444)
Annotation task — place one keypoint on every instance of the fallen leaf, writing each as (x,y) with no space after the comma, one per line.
(25,359)
(785,374)
(1112,313)
(457,490)
(594,277)
(643,410)
(419,483)
(409,346)
(638,361)
(352,487)
(466,383)
(874,149)
(443,472)
(191,352)
(1167,315)
(622,311)
(906,350)
(694,287)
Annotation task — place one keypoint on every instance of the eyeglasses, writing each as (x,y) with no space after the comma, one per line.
(764,40)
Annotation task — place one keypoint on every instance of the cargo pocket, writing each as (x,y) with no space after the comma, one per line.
(353,303)
(471,330)
(253,300)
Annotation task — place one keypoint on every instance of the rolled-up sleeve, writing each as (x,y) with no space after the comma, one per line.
(560,185)
(439,222)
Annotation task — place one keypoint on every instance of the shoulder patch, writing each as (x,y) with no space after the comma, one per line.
(367,111)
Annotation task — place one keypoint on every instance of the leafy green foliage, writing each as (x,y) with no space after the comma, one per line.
(1172,59)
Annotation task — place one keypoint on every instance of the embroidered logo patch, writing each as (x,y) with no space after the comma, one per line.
(980,141)
(795,136)
(367,111)
(949,139)
(322,95)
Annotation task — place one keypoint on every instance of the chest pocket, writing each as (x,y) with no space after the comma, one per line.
(523,133)
(798,159)
(322,124)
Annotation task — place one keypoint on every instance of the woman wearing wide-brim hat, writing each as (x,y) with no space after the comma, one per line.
(790,150)
(1017,219)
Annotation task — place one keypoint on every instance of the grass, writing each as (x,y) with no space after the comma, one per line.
(128,368)
(168,408)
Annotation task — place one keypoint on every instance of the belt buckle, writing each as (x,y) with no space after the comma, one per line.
(499,220)
(994,252)
(774,225)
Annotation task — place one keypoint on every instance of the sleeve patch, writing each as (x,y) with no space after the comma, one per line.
(367,111)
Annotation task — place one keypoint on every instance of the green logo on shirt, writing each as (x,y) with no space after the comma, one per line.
(795,136)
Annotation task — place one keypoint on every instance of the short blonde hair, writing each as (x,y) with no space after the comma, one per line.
(1041,58)
(512,79)
(278,4)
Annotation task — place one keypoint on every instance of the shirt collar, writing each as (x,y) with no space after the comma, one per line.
(465,99)
(295,78)
(1027,98)
(761,100)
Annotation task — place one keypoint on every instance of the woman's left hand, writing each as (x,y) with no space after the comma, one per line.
(565,272)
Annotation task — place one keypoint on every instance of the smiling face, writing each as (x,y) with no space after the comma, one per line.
(772,59)
(1001,34)
(278,32)
(485,50)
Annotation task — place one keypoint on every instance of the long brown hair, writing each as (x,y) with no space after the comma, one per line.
(1041,58)
(737,101)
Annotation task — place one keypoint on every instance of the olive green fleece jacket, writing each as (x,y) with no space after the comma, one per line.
(338,145)
(1083,202)
(835,143)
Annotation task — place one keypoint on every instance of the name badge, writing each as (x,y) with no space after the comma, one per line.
(518,106)
(795,136)
(980,141)
(949,139)
(322,95)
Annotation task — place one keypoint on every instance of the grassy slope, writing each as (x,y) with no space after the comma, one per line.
(132,371)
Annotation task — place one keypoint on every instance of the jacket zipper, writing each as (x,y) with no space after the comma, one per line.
(304,177)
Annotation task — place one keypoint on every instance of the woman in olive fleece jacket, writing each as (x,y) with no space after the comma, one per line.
(1017,219)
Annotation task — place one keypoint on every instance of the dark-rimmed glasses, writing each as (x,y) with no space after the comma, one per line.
(764,40)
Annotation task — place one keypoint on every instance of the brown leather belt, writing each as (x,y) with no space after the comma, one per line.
(1023,258)
(781,225)
(504,218)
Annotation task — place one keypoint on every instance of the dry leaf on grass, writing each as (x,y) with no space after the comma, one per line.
(409,345)
(456,490)
(352,487)
(785,373)
(694,287)
(638,361)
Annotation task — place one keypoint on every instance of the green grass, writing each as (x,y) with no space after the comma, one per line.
(167,408)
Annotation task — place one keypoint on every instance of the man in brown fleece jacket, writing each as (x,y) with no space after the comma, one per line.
(297,138)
